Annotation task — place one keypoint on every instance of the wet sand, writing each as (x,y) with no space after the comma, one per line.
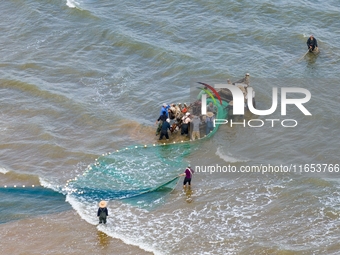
(62,233)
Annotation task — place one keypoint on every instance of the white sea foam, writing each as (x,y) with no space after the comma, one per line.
(3,170)
(222,222)
(73,4)
(228,157)
(49,185)
(88,212)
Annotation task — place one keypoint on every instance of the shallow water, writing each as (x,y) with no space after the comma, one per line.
(83,78)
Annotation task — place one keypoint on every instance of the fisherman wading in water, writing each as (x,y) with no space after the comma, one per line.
(188,175)
(102,212)
(312,44)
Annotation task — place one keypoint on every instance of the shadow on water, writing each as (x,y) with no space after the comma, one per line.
(312,65)
(22,202)
(188,194)
(311,59)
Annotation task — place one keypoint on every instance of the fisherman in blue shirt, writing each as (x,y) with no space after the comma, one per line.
(165,108)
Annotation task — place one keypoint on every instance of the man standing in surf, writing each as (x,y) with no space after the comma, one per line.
(102,212)
(188,175)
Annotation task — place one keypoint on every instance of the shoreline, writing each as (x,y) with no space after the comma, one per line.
(61,233)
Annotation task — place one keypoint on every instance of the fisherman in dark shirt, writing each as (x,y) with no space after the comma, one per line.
(102,212)
(164,129)
(162,118)
(312,43)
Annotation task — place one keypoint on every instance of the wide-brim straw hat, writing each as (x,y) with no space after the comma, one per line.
(210,114)
(102,204)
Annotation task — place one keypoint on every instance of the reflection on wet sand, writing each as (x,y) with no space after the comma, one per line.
(188,193)
(103,239)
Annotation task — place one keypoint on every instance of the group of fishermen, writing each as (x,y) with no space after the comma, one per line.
(175,116)
(183,120)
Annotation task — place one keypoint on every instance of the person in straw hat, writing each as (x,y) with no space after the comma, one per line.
(209,119)
(102,212)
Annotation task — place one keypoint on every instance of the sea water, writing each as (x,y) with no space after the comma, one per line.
(83,78)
